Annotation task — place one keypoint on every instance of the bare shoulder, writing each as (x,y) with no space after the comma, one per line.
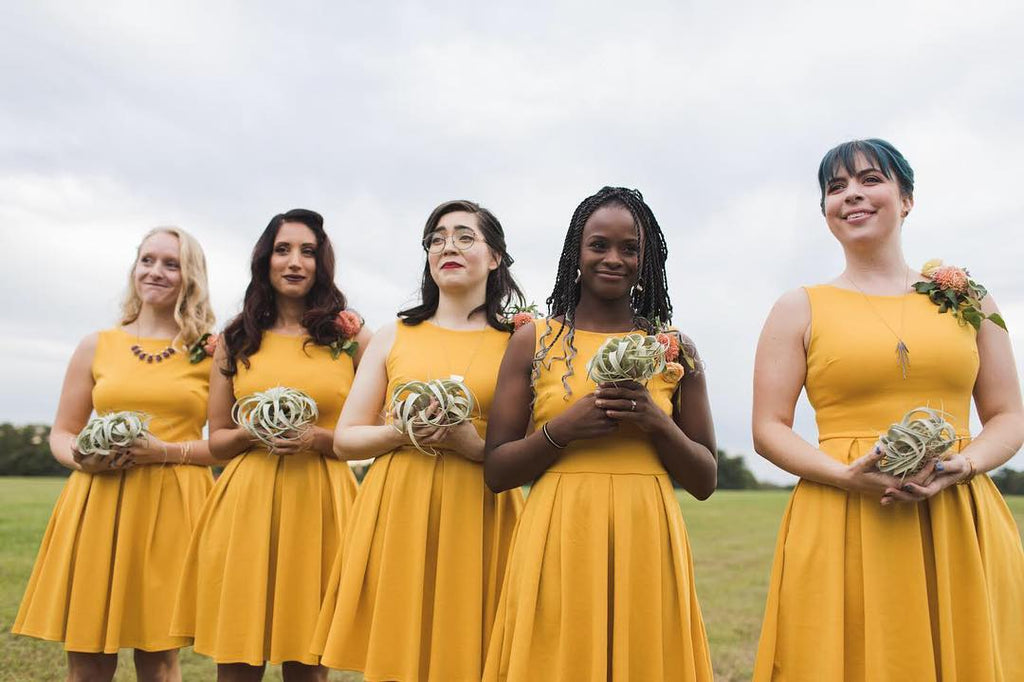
(384,337)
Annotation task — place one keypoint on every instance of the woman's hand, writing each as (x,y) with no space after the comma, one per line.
(462,438)
(629,401)
(311,439)
(98,464)
(862,476)
(584,419)
(147,449)
(933,478)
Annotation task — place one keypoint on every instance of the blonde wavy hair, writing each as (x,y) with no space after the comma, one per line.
(192,311)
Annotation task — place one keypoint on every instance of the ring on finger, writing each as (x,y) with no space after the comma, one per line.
(632,406)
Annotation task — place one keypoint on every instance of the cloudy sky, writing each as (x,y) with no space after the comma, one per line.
(119,116)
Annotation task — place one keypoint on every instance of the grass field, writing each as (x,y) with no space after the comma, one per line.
(732,535)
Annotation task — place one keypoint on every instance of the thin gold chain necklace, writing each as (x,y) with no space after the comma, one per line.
(902,352)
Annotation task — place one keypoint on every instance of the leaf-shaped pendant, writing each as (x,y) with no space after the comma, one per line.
(903,357)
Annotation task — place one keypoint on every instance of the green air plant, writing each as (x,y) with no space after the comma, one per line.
(278,412)
(105,432)
(430,404)
(634,357)
(921,436)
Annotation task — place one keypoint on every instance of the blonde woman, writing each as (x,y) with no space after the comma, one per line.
(110,560)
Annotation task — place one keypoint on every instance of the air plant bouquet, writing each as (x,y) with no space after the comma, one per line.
(921,436)
(633,357)
(279,412)
(430,404)
(105,432)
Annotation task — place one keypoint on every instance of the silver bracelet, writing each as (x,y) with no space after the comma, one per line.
(554,444)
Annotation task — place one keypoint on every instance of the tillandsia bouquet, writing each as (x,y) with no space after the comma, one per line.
(204,348)
(520,315)
(952,289)
(633,357)
(430,404)
(105,432)
(348,323)
(920,437)
(278,412)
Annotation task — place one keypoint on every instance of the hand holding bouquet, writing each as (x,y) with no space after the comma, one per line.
(921,436)
(416,406)
(277,413)
(633,357)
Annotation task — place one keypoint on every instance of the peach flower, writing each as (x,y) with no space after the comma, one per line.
(348,323)
(210,345)
(671,343)
(673,372)
(519,319)
(951,277)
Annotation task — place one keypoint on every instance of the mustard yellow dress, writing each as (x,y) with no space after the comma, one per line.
(417,583)
(112,554)
(258,563)
(600,584)
(861,592)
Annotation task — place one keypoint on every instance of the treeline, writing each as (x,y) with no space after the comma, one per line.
(24,451)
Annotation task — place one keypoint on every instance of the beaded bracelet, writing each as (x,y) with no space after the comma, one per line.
(554,443)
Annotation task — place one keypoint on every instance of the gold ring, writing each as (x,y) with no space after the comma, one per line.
(632,408)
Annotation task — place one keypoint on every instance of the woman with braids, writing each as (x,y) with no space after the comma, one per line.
(258,562)
(600,582)
(878,578)
(417,582)
(113,550)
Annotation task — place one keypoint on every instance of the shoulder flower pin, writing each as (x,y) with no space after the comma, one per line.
(349,323)
(520,315)
(204,348)
(952,289)
(675,351)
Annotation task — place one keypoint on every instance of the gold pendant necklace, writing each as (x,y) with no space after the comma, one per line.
(902,352)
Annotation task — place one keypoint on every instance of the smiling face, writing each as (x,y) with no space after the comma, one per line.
(864,205)
(457,255)
(157,275)
(609,253)
(293,260)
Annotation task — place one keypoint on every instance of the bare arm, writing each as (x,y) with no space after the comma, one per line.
(75,406)
(685,442)
(780,369)
(511,457)
(361,432)
(227,440)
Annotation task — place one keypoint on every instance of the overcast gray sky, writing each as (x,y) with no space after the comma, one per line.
(119,116)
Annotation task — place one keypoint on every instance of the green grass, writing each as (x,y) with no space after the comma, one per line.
(732,535)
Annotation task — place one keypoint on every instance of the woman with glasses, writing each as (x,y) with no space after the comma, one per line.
(416,584)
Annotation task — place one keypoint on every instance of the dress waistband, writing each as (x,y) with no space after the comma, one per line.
(869,435)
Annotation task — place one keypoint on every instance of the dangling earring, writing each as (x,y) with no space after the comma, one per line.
(578,273)
(638,287)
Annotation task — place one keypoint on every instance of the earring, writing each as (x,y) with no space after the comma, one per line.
(639,287)
(578,273)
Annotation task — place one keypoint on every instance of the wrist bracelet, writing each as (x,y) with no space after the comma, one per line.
(554,443)
(970,474)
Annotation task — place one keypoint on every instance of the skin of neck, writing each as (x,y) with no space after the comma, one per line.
(880,266)
(156,322)
(289,314)
(598,315)
(454,308)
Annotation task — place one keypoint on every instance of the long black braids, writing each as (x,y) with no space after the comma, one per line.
(649,298)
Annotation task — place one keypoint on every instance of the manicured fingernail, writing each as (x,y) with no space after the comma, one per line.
(939,466)
(908,488)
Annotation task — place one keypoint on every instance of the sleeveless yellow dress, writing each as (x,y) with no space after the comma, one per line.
(258,563)
(925,591)
(417,582)
(600,584)
(112,554)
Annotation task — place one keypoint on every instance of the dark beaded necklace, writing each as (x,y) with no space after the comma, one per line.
(143,356)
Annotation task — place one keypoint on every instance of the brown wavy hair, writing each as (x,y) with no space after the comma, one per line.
(243,335)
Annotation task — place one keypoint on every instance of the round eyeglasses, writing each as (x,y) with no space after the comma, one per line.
(463,240)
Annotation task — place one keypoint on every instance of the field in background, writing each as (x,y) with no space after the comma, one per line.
(732,535)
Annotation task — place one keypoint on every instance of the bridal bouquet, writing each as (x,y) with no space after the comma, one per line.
(633,357)
(430,404)
(920,437)
(105,432)
(278,412)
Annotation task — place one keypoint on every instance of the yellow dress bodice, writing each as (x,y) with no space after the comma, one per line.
(627,450)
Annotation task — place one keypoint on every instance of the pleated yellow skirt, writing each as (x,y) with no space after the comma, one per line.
(600,586)
(258,563)
(416,586)
(927,591)
(110,560)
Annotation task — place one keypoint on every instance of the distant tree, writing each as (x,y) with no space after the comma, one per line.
(1009,481)
(733,473)
(24,451)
